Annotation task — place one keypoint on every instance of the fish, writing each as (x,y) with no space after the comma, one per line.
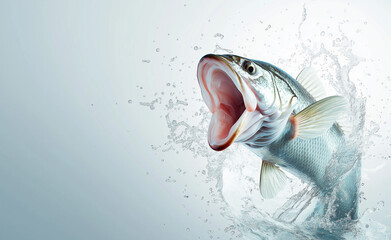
(290,123)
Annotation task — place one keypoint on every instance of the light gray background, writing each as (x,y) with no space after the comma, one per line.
(75,157)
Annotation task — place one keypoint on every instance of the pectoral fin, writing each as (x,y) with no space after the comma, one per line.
(318,117)
(272,180)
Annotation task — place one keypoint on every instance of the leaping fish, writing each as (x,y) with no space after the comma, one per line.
(289,123)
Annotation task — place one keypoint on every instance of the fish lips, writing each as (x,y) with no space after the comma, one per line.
(228,96)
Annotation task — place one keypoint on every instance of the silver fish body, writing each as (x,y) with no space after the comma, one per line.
(263,119)
(308,157)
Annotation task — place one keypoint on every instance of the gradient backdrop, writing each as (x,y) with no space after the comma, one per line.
(84,92)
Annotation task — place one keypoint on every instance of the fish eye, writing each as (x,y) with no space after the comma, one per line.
(249,67)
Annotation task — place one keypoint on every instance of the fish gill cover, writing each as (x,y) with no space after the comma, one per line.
(231,177)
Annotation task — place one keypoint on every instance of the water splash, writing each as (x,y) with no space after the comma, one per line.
(235,170)
(151,104)
(294,219)
(268,27)
(218,48)
(219,35)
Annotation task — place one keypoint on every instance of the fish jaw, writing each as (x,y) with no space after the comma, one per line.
(229,97)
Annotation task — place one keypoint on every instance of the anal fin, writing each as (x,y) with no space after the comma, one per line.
(272,180)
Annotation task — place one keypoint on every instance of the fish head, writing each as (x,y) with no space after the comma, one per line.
(235,89)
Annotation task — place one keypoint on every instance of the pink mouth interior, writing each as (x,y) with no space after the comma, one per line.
(229,105)
(224,100)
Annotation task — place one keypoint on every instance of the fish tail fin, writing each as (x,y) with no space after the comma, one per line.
(340,201)
(347,195)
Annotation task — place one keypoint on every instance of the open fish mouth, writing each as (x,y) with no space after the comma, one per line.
(229,97)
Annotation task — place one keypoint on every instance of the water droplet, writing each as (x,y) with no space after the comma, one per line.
(218,48)
(146,61)
(170,180)
(322,33)
(219,35)
(268,27)
(157,49)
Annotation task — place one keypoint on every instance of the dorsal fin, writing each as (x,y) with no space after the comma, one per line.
(345,124)
(311,82)
(272,180)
